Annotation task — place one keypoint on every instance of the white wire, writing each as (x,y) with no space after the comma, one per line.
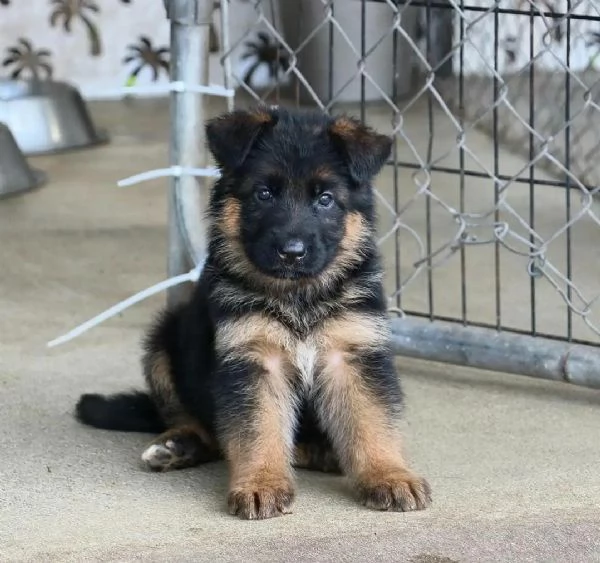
(212,90)
(171,171)
(192,275)
(164,88)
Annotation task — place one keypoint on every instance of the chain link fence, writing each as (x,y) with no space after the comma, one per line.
(488,211)
(487,208)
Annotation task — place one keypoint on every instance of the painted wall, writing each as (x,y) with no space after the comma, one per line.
(101,45)
(94,44)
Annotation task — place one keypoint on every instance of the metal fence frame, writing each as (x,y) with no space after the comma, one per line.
(451,340)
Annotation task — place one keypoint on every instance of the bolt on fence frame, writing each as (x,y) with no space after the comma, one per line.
(432,339)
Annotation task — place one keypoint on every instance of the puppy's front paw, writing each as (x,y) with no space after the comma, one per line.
(261,498)
(398,490)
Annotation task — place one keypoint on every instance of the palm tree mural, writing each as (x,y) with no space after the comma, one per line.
(266,52)
(68,10)
(144,55)
(23,58)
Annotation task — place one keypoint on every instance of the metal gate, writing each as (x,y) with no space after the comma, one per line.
(488,216)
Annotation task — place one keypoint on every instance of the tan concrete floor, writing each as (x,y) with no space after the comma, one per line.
(513,462)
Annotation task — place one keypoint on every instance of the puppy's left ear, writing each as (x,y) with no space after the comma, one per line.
(231,136)
(364,150)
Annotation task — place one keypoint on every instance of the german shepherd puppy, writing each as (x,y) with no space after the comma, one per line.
(282,356)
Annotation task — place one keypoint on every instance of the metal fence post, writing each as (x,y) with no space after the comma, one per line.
(190,27)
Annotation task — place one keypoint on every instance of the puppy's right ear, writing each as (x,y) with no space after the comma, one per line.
(364,150)
(231,136)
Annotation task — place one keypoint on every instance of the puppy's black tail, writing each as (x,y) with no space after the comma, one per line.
(127,412)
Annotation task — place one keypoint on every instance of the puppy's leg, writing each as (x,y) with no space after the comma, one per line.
(180,447)
(161,382)
(186,442)
(357,400)
(256,416)
(256,413)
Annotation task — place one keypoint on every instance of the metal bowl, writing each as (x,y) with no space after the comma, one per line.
(16,176)
(47,117)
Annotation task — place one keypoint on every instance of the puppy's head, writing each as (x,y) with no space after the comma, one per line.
(295,199)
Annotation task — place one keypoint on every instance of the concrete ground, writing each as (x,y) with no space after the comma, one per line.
(513,462)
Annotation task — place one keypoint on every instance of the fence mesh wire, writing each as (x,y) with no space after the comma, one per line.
(492,229)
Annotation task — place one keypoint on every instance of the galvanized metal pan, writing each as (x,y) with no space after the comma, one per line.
(47,117)
(16,176)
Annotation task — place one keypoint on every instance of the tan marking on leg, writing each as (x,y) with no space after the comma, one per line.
(259,452)
(261,484)
(159,377)
(160,380)
(361,427)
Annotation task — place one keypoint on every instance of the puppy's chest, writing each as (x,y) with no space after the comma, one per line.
(303,355)
(304,347)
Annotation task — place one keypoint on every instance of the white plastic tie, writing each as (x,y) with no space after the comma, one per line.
(212,89)
(166,88)
(191,276)
(175,171)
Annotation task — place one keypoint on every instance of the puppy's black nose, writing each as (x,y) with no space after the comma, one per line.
(292,250)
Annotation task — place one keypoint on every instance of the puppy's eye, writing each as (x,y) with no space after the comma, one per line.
(263,193)
(325,199)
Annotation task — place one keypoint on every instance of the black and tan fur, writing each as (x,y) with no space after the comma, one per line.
(282,356)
